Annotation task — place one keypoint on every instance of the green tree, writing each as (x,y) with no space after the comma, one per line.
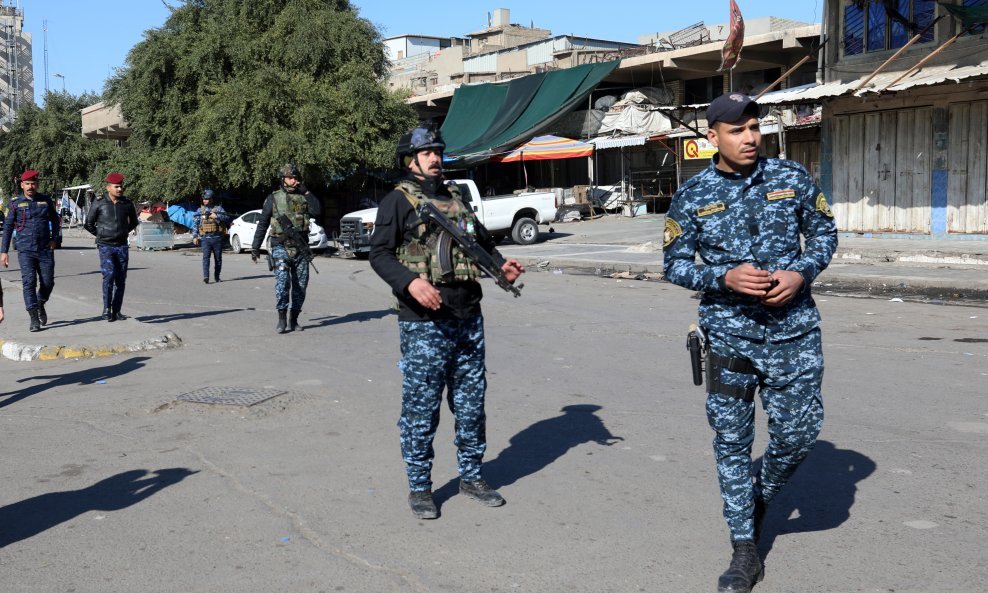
(48,139)
(226,91)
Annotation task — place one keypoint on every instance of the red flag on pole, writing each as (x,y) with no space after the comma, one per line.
(731,53)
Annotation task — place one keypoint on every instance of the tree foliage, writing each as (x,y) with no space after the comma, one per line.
(48,139)
(226,91)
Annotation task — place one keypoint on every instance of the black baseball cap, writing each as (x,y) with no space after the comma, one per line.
(730,108)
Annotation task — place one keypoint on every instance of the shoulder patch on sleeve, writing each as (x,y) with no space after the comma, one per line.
(823,206)
(672,231)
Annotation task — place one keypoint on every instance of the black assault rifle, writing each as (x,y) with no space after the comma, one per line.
(450,232)
(292,237)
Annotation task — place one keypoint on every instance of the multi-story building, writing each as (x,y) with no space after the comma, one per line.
(905,117)
(16,66)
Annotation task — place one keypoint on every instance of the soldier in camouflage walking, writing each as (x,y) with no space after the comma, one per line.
(744,215)
(288,205)
(440,325)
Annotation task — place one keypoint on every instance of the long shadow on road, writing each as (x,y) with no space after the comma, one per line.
(177,316)
(84,377)
(30,517)
(820,495)
(360,316)
(538,446)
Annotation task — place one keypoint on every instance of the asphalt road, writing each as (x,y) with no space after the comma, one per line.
(597,438)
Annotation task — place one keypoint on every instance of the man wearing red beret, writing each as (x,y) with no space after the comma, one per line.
(111,220)
(34,218)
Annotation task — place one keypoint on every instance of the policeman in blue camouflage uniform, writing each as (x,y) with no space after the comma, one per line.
(112,219)
(35,219)
(291,270)
(209,225)
(440,325)
(744,216)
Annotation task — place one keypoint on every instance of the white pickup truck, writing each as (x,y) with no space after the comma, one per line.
(518,214)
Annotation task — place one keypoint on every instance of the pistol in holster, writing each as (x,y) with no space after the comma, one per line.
(696,343)
(703,361)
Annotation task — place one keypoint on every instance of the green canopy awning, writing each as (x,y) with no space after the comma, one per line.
(969,16)
(487,119)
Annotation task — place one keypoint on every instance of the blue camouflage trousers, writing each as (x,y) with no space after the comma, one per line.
(447,353)
(37,276)
(212,245)
(113,260)
(291,277)
(789,375)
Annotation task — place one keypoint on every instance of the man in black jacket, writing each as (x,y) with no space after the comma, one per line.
(439,320)
(111,220)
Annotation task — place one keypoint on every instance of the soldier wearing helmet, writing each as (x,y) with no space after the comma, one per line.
(209,226)
(290,204)
(440,324)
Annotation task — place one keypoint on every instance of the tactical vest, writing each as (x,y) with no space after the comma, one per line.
(422,254)
(295,207)
(207,225)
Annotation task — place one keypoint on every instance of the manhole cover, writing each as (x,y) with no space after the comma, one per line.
(229,396)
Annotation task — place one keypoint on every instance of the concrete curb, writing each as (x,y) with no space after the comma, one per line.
(28,352)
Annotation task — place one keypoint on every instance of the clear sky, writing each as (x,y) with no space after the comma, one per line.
(88,39)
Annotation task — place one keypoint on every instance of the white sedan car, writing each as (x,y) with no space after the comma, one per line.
(242,233)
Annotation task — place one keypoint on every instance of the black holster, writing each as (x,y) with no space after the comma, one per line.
(716,363)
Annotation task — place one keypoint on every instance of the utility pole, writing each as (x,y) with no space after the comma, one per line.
(44,26)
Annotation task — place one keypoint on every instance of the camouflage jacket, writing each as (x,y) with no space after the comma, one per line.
(728,220)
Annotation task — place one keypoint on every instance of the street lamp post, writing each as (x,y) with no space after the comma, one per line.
(62,76)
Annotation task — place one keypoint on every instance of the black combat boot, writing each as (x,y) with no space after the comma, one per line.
(107,314)
(482,493)
(422,505)
(35,321)
(42,314)
(293,320)
(118,316)
(745,569)
(281,322)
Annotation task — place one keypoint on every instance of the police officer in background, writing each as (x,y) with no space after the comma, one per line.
(745,216)
(440,325)
(292,204)
(111,219)
(35,218)
(209,225)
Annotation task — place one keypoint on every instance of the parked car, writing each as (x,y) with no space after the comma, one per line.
(242,233)
(518,215)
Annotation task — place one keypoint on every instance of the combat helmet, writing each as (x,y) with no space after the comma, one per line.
(289,170)
(416,140)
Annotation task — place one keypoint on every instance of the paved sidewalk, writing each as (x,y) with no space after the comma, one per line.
(920,268)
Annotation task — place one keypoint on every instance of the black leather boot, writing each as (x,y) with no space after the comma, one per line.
(482,493)
(422,505)
(293,321)
(281,321)
(35,321)
(745,570)
(107,314)
(42,314)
